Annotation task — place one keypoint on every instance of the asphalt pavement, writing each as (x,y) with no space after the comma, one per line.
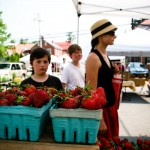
(134,118)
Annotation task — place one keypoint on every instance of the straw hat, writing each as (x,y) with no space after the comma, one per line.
(100,27)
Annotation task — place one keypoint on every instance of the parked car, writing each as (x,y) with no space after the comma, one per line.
(137,68)
(8,70)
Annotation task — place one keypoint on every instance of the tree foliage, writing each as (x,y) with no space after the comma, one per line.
(70,37)
(4,36)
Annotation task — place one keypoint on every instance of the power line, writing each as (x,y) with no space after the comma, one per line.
(58,35)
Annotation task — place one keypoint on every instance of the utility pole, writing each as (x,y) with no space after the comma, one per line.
(39,21)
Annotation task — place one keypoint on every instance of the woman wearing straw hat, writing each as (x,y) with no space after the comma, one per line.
(99,73)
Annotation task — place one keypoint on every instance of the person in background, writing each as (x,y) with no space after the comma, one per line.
(148,86)
(40,59)
(63,65)
(121,67)
(73,74)
(49,70)
(100,72)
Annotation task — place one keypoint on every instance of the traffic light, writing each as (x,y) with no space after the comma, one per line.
(136,22)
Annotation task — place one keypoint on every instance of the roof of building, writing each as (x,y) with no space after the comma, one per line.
(64,45)
(146,22)
(20,48)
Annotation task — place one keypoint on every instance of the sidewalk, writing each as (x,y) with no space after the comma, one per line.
(134,119)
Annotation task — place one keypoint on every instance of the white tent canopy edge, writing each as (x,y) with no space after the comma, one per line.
(132,9)
(132,43)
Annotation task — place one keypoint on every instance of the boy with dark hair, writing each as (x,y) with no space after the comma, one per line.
(40,59)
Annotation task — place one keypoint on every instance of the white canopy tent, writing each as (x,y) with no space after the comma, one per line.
(123,8)
(132,43)
(26,59)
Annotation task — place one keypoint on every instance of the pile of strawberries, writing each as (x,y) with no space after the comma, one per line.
(82,98)
(28,95)
(125,144)
(144,144)
(116,143)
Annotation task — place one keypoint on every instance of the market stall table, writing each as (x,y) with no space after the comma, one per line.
(128,84)
(46,142)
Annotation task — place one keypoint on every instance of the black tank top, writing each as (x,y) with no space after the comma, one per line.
(105,75)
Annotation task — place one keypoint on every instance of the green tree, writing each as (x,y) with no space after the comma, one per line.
(13,58)
(23,41)
(4,36)
(70,37)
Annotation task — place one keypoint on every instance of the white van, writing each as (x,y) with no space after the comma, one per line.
(10,69)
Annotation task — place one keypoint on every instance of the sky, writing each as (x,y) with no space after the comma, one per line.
(57,17)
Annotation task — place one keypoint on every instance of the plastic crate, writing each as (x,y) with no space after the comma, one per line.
(22,122)
(75,125)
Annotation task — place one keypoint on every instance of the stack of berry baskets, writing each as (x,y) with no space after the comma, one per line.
(24,112)
(76,115)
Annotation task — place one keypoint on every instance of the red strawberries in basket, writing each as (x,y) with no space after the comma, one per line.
(97,100)
(82,98)
(27,95)
(70,102)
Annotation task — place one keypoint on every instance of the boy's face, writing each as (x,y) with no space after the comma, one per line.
(76,56)
(40,65)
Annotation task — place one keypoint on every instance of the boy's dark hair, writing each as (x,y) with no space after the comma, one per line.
(38,53)
(73,48)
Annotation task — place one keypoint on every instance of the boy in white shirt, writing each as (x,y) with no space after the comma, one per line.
(73,74)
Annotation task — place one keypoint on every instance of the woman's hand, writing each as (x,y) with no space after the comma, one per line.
(102,127)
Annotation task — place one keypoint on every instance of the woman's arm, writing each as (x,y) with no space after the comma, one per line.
(92,66)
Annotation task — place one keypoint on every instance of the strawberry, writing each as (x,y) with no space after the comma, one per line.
(61,96)
(2,94)
(101,93)
(11,98)
(116,140)
(9,91)
(29,88)
(139,141)
(4,102)
(77,91)
(52,90)
(70,103)
(97,100)
(41,97)
(79,97)
(23,100)
(22,93)
(31,97)
(101,90)
(128,145)
(119,148)
(88,103)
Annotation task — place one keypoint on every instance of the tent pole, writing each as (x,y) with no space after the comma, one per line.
(78,27)
(78,17)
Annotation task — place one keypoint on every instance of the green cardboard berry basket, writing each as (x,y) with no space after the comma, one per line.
(22,122)
(75,125)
